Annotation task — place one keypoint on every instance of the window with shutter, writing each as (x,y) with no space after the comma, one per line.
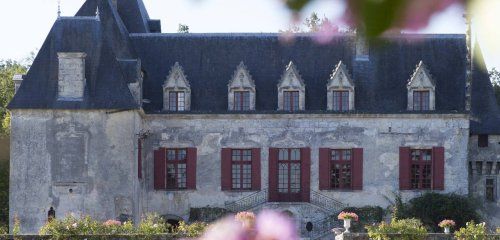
(175,169)
(240,169)
(421,169)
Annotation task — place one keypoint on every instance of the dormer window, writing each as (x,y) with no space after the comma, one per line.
(340,89)
(291,100)
(421,100)
(242,100)
(176,91)
(177,101)
(340,100)
(291,90)
(421,90)
(241,90)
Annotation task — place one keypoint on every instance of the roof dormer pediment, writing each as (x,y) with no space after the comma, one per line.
(241,79)
(291,78)
(421,78)
(176,78)
(340,78)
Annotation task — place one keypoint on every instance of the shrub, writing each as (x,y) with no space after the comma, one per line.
(367,215)
(193,230)
(472,231)
(71,225)
(431,208)
(152,224)
(405,229)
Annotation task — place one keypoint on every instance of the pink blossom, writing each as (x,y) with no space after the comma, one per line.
(447,223)
(247,220)
(227,229)
(348,215)
(112,222)
(326,32)
(275,226)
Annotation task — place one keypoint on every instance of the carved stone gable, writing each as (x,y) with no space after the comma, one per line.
(421,80)
(291,79)
(340,80)
(241,81)
(176,78)
(177,82)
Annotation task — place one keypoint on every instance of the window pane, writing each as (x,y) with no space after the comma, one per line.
(283,178)
(247,176)
(236,177)
(295,178)
(172,101)
(287,101)
(246,101)
(181,175)
(335,155)
(295,98)
(181,101)
(283,154)
(247,155)
(171,178)
(425,100)
(236,155)
(427,155)
(415,155)
(345,101)
(171,155)
(347,155)
(295,154)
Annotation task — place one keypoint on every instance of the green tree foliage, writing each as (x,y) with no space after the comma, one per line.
(495,80)
(4,193)
(8,69)
(432,208)
(183,28)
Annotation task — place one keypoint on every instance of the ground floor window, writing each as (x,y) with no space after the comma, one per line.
(340,172)
(421,168)
(490,190)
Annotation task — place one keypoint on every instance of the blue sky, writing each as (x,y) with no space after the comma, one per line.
(25,23)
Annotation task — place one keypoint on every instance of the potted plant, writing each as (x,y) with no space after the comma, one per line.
(447,224)
(347,217)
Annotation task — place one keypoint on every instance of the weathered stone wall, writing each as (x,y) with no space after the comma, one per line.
(485,165)
(81,162)
(379,135)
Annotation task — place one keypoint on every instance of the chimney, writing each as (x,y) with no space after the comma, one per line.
(71,77)
(362,47)
(17,79)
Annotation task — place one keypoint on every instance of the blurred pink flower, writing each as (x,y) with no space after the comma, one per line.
(112,222)
(227,229)
(417,14)
(326,32)
(275,226)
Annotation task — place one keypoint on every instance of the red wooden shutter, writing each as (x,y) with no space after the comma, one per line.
(357,169)
(273,174)
(438,171)
(255,169)
(191,168)
(305,181)
(160,169)
(226,171)
(324,168)
(404,168)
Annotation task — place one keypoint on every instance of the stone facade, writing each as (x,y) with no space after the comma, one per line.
(76,162)
(89,158)
(484,176)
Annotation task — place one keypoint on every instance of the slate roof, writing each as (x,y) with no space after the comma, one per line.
(120,41)
(209,61)
(485,110)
